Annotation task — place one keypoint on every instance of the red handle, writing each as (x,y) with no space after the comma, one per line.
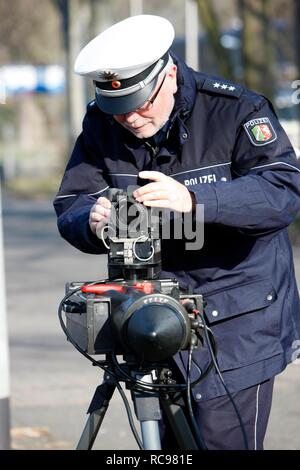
(101,288)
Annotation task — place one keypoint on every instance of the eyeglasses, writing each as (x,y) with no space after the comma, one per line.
(149,103)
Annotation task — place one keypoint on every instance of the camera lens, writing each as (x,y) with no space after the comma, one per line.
(156,332)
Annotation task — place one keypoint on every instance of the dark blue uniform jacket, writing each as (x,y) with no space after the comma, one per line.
(226,145)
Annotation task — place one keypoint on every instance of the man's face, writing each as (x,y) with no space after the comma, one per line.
(148,120)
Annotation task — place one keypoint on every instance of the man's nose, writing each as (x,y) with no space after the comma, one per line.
(131,117)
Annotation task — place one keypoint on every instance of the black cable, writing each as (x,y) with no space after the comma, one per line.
(139,385)
(197,366)
(135,383)
(102,364)
(122,375)
(146,387)
(206,331)
(69,337)
(118,373)
(129,416)
(211,364)
(204,374)
(143,386)
(197,434)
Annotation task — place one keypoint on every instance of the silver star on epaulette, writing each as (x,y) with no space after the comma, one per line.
(216,85)
(231,88)
(224,87)
(108,75)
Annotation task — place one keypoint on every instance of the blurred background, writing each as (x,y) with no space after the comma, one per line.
(42,104)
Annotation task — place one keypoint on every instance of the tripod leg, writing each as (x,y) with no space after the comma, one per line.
(179,424)
(97,410)
(147,410)
(150,435)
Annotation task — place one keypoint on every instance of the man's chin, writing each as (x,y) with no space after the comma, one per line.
(144,132)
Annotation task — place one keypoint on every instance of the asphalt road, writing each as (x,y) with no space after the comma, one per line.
(51,383)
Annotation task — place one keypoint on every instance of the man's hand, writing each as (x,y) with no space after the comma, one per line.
(99,214)
(165,192)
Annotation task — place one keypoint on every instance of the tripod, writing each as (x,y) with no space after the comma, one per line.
(147,410)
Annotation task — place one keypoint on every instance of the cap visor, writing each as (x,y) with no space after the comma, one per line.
(125,104)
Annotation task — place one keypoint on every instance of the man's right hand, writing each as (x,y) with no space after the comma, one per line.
(99,214)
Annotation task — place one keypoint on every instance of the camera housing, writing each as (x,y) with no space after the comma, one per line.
(133,233)
(145,319)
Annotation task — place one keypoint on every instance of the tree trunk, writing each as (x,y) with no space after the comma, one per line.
(210,22)
(257,46)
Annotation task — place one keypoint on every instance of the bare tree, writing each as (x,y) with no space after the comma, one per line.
(28,32)
(297,34)
(211,23)
(257,45)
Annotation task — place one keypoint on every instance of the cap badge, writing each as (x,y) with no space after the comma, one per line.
(108,75)
(116,84)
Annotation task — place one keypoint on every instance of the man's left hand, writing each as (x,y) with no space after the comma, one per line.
(164,192)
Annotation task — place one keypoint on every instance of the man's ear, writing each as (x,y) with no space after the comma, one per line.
(172,73)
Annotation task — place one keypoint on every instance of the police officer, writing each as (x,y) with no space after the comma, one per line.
(187,138)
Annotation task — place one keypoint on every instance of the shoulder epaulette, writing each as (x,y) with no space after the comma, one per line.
(91,105)
(221,87)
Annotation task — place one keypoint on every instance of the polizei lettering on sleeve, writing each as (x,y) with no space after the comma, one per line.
(201,179)
(260,131)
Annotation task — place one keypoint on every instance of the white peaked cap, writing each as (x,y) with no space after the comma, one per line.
(125,61)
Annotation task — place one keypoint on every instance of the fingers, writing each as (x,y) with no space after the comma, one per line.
(96,221)
(152,175)
(100,213)
(96,226)
(97,217)
(102,208)
(165,203)
(165,192)
(155,191)
(103,201)
(148,188)
(153,195)
(93,226)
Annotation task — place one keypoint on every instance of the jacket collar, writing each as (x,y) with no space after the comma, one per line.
(184,100)
(186,93)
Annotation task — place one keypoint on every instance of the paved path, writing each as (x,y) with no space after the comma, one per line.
(51,383)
